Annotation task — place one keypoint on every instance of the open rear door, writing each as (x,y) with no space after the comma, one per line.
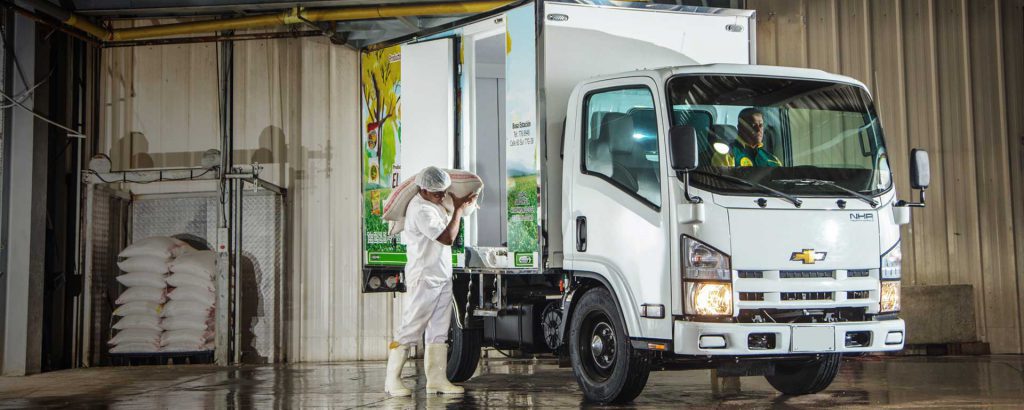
(428,106)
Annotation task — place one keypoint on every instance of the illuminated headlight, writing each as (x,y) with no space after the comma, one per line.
(708,299)
(891,263)
(890,301)
(701,261)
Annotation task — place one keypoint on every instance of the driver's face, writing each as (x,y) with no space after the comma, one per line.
(435,197)
(752,129)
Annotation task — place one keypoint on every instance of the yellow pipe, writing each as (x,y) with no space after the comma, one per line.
(296,16)
(87,26)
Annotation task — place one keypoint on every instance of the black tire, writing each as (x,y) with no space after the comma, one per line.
(606,366)
(796,379)
(463,352)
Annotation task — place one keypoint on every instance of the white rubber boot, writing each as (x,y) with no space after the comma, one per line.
(397,354)
(435,360)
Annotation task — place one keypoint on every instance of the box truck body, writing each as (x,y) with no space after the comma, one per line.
(595,240)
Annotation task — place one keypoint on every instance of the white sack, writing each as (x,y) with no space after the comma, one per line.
(193,293)
(136,336)
(186,323)
(463,183)
(176,308)
(184,279)
(199,263)
(152,280)
(139,309)
(135,348)
(187,347)
(193,336)
(142,294)
(143,322)
(159,246)
(151,264)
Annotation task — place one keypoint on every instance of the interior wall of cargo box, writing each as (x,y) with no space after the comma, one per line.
(488,88)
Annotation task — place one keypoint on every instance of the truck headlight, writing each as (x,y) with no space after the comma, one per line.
(708,299)
(892,262)
(701,261)
(890,300)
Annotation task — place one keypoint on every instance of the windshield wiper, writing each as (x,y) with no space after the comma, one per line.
(796,201)
(823,182)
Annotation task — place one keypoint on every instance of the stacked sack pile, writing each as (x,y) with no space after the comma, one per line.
(161,312)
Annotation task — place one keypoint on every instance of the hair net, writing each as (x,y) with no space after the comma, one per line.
(433,179)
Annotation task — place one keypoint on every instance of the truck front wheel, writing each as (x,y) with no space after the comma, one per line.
(806,377)
(606,366)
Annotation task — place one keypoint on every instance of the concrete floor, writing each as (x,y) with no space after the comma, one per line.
(904,382)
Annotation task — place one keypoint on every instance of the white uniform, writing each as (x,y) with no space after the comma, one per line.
(428,274)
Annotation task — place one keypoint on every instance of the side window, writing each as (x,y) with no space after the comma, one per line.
(620,142)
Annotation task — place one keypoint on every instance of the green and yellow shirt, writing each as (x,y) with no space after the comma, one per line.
(742,155)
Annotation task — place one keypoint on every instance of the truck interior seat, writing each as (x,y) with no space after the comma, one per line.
(617,134)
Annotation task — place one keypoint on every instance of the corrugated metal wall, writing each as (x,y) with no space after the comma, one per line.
(296,112)
(948,76)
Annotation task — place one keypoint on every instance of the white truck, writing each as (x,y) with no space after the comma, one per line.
(629,221)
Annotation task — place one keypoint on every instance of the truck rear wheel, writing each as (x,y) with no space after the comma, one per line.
(463,352)
(607,368)
(806,377)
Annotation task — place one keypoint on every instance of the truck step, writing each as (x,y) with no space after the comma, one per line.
(485,312)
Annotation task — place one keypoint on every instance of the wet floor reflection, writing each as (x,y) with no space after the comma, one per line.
(871,382)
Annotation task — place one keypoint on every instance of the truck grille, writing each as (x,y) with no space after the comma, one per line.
(806,274)
(858,273)
(796,296)
(751,296)
(750,274)
(857,294)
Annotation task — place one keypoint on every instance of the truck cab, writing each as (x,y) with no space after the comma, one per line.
(738,217)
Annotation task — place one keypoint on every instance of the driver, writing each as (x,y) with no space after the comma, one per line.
(748,149)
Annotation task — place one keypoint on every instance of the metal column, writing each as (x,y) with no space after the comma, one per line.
(25,171)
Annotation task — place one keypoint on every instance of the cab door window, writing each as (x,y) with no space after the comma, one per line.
(620,143)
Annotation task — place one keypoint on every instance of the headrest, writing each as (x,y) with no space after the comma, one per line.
(724,133)
(618,129)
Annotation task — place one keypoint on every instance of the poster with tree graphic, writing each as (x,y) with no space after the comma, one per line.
(382,139)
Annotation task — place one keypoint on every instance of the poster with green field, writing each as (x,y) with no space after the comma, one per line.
(522,164)
(382,141)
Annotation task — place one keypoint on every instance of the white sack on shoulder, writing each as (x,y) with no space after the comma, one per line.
(185,323)
(135,348)
(463,184)
(142,294)
(176,308)
(152,280)
(184,279)
(193,293)
(139,308)
(136,336)
(143,322)
(160,246)
(194,336)
(199,263)
(150,264)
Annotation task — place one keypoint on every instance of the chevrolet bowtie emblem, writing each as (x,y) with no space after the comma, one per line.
(808,256)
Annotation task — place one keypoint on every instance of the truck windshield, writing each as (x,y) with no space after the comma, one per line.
(782,133)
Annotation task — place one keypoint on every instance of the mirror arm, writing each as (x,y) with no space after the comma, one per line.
(913,204)
(686,189)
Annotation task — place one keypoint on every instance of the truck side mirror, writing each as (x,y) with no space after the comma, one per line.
(683,147)
(920,169)
(920,176)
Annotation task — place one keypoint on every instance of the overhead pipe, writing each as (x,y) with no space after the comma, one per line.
(69,18)
(295,15)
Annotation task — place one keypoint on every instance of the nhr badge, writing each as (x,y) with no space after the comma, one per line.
(808,256)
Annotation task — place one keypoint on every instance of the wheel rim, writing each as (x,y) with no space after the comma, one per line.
(597,346)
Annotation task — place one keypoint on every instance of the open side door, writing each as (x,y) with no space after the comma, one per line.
(428,106)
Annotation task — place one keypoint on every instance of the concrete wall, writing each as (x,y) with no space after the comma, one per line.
(296,112)
(948,76)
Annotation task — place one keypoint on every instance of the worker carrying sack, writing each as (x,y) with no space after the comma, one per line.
(463,183)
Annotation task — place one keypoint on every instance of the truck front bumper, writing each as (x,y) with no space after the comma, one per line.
(738,339)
